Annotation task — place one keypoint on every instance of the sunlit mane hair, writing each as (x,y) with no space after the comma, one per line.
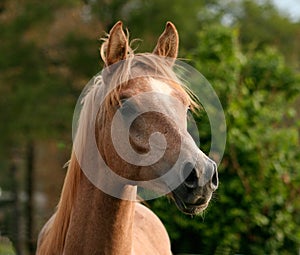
(107,85)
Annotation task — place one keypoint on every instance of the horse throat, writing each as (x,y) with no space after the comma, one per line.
(99,223)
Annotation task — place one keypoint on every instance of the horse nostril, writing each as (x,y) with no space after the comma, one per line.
(190,175)
(214,179)
(209,177)
(192,180)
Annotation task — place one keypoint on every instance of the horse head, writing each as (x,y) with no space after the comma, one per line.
(141,128)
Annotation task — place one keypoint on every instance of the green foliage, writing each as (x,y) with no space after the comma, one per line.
(145,19)
(256,208)
(261,24)
(38,78)
(6,247)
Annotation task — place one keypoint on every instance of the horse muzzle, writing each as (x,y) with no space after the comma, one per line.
(199,183)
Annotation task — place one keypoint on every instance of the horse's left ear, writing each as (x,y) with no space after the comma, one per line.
(115,48)
(167,45)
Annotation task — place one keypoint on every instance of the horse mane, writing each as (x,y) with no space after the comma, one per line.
(53,239)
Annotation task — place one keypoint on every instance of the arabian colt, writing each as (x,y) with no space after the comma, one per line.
(98,212)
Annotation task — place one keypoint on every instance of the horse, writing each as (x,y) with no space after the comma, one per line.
(91,220)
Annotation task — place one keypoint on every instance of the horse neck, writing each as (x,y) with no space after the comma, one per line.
(89,221)
(99,222)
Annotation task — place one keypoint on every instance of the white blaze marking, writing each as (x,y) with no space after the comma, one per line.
(160,87)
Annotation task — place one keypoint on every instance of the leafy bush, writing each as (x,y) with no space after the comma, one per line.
(256,208)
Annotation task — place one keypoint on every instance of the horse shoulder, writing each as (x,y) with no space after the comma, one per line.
(150,235)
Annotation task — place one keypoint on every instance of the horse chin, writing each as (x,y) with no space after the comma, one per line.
(187,208)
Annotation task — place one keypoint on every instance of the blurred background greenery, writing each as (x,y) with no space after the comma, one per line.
(250,53)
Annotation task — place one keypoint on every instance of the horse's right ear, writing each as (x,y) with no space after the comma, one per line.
(116,47)
(167,45)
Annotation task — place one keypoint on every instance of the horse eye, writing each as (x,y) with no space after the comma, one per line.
(127,108)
